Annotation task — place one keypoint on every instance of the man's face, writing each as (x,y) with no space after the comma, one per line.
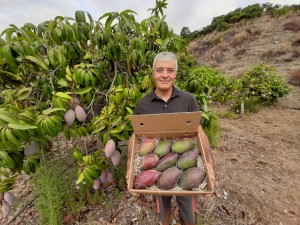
(164,74)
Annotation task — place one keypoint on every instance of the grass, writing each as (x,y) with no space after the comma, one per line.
(49,192)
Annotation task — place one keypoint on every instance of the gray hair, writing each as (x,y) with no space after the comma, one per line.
(164,56)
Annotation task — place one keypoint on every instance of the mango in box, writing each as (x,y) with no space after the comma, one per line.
(183,145)
(162,148)
(169,178)
(191,178)
(146,179)
(146,146)
(187,160)
(148,161)
(166,161)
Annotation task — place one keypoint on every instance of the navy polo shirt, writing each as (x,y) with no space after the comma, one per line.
(180,101)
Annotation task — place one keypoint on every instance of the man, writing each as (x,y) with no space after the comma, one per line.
(165,98)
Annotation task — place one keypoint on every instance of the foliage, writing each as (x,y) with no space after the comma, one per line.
(224,22)
(211,127)
(184,63)
(49,191)
(185,31)
(262,82)
(102,65)
(206,81)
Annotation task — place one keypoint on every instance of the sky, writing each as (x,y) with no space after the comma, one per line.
(194,14)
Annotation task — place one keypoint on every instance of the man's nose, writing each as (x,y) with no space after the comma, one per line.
(165,73)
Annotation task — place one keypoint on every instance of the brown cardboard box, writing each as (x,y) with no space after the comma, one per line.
(168,125)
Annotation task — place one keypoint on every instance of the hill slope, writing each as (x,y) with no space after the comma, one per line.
(257,160)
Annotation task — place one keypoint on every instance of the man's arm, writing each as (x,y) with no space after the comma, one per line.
(208,155)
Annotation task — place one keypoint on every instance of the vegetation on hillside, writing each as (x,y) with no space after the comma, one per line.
(224,22)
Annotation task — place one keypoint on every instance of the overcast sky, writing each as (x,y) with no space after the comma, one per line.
(193,14)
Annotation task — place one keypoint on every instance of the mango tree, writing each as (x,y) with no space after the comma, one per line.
(101,67)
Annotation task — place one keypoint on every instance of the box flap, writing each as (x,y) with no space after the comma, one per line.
(186,121)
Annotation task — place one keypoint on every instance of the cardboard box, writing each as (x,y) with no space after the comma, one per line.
(168,125)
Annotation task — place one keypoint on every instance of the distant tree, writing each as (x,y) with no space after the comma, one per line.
(185,31)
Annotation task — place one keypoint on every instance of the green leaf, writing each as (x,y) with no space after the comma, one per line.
(7,56)
(117,129)
(79,16)
(8,117)
(51,110)
(63,95)
(23,93)
(7,160)
(83,91)
(80,178)
(21,126)
(97,130)
(159,41)
(63,82)
(129,110)
(92,172)
(37,61)
(145,81)
(11,75)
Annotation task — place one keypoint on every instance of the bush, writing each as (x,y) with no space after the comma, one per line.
(263,83)
(210,82)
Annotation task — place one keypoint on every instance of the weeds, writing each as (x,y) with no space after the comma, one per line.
(49,190)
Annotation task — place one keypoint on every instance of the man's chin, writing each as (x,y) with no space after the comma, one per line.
(165,87)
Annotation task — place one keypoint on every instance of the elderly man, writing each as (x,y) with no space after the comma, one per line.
(166,98)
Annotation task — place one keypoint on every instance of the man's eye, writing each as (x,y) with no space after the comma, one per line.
(171,71)
(159,70)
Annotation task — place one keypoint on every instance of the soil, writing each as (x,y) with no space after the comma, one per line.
(257,158)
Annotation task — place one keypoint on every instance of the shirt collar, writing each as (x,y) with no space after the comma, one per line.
(175,93)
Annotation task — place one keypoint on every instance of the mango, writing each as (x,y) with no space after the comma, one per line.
(103,176)
(116,158)
(191,178)
(109,148)
(69,117)
(148,161)
(5,208)
(9,198)
(31,149)
(183,145)
(163,147)
(109,177)
(74,102)
(96,184)
(166,161)
(187,160)
(146,146)
(146,179)
(80,113)
(169,178)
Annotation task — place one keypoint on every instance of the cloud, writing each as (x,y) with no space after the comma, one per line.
(194,14)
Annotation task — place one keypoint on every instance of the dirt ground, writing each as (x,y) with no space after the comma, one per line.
(257,159)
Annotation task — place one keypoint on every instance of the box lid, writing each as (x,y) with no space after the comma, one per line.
(186,121)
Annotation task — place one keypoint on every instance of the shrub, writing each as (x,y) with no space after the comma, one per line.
(262,82)
(209,82)
(278,11)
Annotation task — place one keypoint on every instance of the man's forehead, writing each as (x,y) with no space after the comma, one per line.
(165,64)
